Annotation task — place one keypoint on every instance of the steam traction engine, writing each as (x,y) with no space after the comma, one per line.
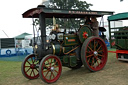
(72,49)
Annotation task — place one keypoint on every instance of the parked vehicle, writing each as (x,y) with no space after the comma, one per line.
(119,36)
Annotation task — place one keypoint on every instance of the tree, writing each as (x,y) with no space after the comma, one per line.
(68,4)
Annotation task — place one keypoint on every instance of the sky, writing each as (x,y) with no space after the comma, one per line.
(12,23)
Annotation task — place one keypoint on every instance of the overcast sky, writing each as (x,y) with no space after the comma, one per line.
(13,24)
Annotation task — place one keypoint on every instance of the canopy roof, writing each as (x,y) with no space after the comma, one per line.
(59,13)
(22,36)
(119,16)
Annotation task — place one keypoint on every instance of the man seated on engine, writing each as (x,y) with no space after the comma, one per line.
(87,20)
(94,26)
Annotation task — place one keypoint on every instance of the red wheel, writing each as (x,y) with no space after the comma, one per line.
(29,68)
(94,53)
(50,68)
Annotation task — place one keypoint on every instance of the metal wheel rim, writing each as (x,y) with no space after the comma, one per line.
(29,69)
(50,69)
(95,56)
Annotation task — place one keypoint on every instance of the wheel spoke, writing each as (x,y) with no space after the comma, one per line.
(27,66)
(89,59)
(32,60)
(89,55)
(56,71)
(45,66)
(37,70)
(90,45)
(55,63)
(46,70)
(97,61)
(90,48)
(94,46)
(53,74)
(100,51)
(101,55)
(49,62)
(56,66)
(46,73)
(92,62)
(99,48)
(33,72)
(28,62)
(28,70)
(96,43)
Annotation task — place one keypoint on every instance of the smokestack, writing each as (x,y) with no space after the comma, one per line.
(45,2)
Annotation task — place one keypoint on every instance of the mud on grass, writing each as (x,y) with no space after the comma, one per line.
(114,73)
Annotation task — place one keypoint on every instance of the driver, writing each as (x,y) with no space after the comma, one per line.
(94,26)
(87,20)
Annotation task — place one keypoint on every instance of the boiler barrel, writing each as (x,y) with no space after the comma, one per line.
(59,50)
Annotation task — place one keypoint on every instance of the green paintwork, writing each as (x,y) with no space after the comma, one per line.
(120,16)
(59,50)
(126,43)
(119,34)
(71,40)
(73,61)
(122,43)
(67,49)
(68,61)
(65,59)
(84,28)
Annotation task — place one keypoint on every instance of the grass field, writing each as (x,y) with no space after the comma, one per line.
(114,73)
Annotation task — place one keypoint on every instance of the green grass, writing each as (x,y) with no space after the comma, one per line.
(9,72)
(114,73)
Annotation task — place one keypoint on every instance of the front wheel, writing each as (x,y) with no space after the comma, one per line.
(29,68)
(94,53)
(50,69)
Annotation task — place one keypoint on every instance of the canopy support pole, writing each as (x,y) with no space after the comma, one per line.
(43,30)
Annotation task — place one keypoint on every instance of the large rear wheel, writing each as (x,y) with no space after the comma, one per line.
(94,53)
(50,68)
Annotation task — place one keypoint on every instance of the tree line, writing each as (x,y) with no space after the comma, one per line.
(68,4)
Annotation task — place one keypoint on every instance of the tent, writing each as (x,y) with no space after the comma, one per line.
(22,36)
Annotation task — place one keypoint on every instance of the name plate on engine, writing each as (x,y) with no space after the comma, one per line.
(71,40)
